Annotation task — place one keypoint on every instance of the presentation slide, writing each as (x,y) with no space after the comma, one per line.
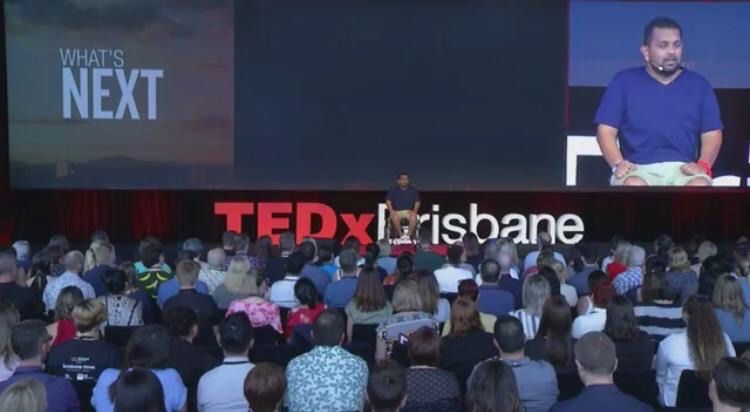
(486,95)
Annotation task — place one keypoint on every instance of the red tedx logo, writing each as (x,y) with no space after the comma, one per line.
(276,217)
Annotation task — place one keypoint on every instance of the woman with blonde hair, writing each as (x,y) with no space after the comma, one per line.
(731,308)
(258,309)
(536,291)
(408,316)
(27,395)
(429,291)
(705,250)
(90,257)
(680,277)
(8,360)
(619,262)
(237,283)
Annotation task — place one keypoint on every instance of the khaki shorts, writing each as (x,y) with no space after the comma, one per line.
(402,214)
(659,174)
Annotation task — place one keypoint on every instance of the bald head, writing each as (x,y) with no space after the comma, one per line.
(73,261)
(216,258)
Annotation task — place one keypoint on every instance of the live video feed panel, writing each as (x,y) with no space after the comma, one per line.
(605,36)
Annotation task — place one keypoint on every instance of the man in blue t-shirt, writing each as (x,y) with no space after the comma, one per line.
(666,117)
(403,203)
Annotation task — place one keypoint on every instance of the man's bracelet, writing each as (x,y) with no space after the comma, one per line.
(706,167)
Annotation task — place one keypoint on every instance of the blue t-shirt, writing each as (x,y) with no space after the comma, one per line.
(171,287)
(340,293)
(403,199)
(657,122)
(175,392)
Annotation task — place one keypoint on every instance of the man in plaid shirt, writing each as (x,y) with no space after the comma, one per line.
(633,277)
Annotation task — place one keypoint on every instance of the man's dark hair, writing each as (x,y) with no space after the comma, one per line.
(386,386)
(27,337)
(227,238)
(405,264)
(148,347)
(659,23)
(308,251)
(180,320)
(732,378)
(455,252)
(509,334)
(115,280)
(241,242)
(325,253)
(305,292)
(150,254)
(295,262)
(236,333)
(490,271)
(402,174)
(328,328)
(595,351)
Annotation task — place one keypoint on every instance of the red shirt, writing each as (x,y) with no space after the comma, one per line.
(301,316)
(614,269)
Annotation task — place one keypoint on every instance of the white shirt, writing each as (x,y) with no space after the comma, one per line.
(56,285)
(672,358)
(448,278)
(570,294)
(513,273)
(221,388)
(282,292)
(591,322)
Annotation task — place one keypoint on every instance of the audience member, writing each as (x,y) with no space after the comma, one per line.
(387,387)
(543,241)
(385,260)
(340,292)
(452,273)
(238,284)
(222,388)
(24,299)
(73,262)
(147,348)
(579,280)
(63,328)
(316,274)
(596,361)
(308,309)
(619,260)
(258,310)
(132,291)
(631,278)
(282,291)
(699,347)
(680,278)
(138,390)
(536,290)
(328,377)
(492,387)
(121,309)
(730,385)
(657,313)
(553,342)
(426,258)
(9,317)
(731,308)
(103,255)
(494,299)
(27,395)
(213,275)
(31,343)
(264,388)
(596,317)
(567,291)
(634,348)
(428,288)
(151,269)
(469,289)
(370,305)
(429,387)
(202,304)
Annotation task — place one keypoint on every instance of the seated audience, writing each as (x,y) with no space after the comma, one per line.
(8,360)
(84,357)
(449,275)
(468,289)
(282,291)
(221,388)
(731,308)
(147,348)
(586,302)
(258,310)
(537,381)
(328,377)
(712,268)
(213,275)
(706,249)
(340,292)
(472,250)
(536,290)
(730,385)
(73,262)
(699,347)
(596,362)
(153,271)
(568,291)
(657,313)
(580,277)
(494,299)
(631,278)
(680,278)
(202,304)
(544,269)
(404,268)
(492,387)
(132,291)
(426,258)
(553,342)
(634,348)
(325,259)
(308,309)
(189,360)
(24,299)
(264,388)
(544,242)
(121,309)
(27,395)
(429,290)
(407,317)
(238,283)
(429,388)
(31,344)
(619,260)
(138,390)
(596,317)
(467,343)
(387,387)
(370,305)
(385,260)
(63,328)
